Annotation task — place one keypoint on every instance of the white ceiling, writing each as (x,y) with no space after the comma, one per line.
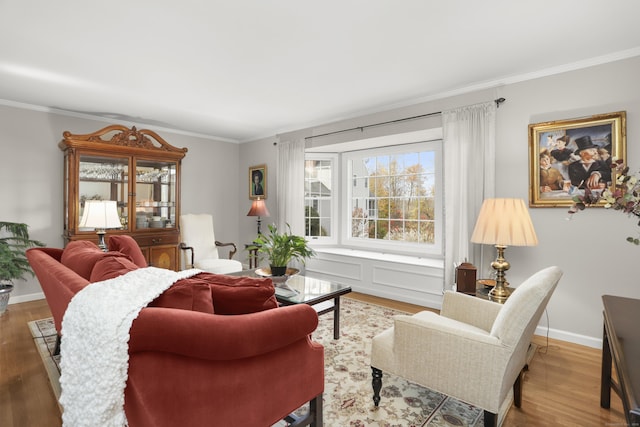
(243,69)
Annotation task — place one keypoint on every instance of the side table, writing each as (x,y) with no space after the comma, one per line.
(253,255)
(482,290)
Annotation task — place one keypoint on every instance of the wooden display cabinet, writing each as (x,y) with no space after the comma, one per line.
(139,170)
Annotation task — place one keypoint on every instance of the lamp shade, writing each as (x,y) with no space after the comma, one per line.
(504,222)
(100,214)
(258,208)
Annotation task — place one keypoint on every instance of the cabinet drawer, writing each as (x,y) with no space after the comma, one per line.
(157,239)
(163,257)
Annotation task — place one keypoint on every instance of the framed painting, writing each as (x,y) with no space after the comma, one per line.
(258,182)
(567,156)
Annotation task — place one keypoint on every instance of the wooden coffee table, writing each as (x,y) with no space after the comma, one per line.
(322,295)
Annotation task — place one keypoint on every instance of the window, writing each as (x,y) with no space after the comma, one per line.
(394,200)
(320,206)
(387,198)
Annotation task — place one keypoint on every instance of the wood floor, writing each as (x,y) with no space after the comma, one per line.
(561,388)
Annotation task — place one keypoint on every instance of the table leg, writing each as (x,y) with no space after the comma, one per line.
(605,376)
(253,258)
(336,318)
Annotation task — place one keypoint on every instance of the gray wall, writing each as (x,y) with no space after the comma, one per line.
(591,248)
(262,152)
(31,177)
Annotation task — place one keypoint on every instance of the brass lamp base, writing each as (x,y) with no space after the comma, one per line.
(500,291)
(500,295)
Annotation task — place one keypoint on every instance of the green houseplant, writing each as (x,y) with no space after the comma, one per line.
(280,248)
(14,241)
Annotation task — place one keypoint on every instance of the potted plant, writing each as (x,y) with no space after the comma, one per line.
(280,248)
(14,241)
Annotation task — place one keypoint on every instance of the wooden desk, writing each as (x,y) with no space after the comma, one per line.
(621,348)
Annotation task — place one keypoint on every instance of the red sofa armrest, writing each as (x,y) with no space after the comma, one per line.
(55,253)
(219,337)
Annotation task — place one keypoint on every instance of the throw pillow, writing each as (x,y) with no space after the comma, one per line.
(239,295)
(186,294)
(128,246)
(112,264)
(80,256)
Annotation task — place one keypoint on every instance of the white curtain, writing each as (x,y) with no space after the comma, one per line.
(291,186)
(469,168)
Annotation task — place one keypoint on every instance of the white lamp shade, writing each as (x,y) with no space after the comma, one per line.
(504,222)
(100,214)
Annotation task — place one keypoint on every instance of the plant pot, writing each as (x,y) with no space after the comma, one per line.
(5,290)
(278,271)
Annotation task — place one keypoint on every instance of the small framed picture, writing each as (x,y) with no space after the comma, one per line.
(258,182)
(567,156)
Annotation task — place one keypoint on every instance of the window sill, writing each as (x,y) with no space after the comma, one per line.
(382,256)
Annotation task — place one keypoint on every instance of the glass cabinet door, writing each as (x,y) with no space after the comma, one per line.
(155,194)
(138,170)
(103,178)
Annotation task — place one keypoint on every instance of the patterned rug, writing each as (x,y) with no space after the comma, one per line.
(44,336)
(348,395)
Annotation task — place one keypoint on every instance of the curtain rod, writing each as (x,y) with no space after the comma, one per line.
(362,128)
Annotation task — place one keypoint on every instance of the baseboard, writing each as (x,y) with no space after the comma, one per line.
(25,298)
(556,334)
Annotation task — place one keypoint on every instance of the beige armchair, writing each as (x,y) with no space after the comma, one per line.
(474,350)
(198,240)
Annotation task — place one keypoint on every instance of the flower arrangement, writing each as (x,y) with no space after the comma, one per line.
(624,198)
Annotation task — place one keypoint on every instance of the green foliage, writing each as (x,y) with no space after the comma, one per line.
(280,248)
(13,244)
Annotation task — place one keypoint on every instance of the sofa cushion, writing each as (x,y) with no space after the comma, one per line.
(128,246)
(186,295)
(238,295)
(80,256)
(112,264)
(183,294)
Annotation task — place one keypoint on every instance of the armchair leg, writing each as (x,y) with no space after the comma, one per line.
(517,389)
(376,382)
(490,419)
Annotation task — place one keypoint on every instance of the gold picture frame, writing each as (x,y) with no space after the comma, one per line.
(565,156)
(258,189)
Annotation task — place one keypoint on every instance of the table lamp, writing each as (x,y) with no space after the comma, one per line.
(503,222)
(100,215)
(258,208)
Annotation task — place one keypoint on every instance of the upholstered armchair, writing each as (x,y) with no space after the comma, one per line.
(200,246)
(474,350)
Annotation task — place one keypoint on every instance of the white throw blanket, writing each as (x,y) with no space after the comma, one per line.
(95,344)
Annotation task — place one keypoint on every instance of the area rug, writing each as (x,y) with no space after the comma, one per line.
(348,395)
(44,337)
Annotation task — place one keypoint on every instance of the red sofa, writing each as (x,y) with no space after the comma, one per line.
(212,350)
